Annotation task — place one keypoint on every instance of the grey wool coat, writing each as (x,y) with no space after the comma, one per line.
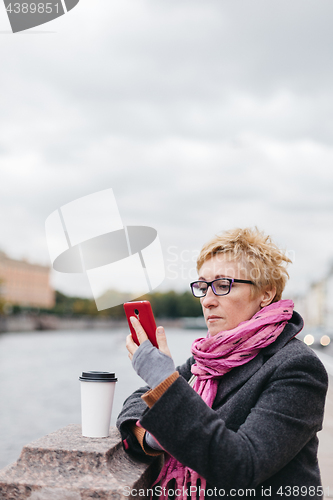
(259,438)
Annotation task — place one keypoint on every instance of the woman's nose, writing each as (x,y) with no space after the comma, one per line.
(209,299)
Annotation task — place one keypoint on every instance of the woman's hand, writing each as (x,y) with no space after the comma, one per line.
(142,336)
(151,364)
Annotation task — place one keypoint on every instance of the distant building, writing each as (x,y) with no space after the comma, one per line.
(329,300)
(316,304)
(316,299)
(25,284)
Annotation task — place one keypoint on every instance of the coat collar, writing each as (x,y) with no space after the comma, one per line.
(292,328)
(239,375)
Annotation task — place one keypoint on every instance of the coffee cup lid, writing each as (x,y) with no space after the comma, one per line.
(98,377)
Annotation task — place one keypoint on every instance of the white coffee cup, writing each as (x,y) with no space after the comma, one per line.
(97,391)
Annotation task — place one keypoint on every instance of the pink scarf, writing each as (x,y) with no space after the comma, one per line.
(215,356)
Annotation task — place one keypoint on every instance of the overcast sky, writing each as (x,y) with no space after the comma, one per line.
(202,115)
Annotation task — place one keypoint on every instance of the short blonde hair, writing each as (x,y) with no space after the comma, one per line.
(264,261)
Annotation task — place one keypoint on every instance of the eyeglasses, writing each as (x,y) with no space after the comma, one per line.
(221,286)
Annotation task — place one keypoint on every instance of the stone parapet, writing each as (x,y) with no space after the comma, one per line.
(66,466)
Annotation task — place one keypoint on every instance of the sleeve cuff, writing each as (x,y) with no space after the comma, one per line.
(151,396)
(139,433)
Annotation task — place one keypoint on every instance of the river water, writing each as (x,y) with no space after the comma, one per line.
(39,386)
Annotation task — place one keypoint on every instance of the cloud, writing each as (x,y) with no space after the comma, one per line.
(200,115)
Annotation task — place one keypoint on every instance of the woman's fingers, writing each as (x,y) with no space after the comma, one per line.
(130,346)
(142,336)
(162,341)
(140,333)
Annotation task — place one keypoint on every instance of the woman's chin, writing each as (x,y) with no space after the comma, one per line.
(214,328)
(218,326)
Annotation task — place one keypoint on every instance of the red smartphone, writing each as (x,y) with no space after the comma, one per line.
(143,312)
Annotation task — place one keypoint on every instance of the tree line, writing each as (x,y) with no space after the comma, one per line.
(169,304)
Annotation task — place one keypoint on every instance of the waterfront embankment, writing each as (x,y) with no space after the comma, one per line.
(34,322)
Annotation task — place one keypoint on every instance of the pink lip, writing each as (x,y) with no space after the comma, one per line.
(213,318)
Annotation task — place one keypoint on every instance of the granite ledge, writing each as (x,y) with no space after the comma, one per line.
(66,466)
(67,448)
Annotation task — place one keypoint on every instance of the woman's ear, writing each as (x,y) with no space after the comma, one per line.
(268,296)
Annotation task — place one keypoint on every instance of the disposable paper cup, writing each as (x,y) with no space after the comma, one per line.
(97,391)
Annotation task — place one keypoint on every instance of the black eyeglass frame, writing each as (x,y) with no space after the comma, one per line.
(210,284)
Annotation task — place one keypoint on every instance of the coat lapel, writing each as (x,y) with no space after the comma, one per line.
(234,379)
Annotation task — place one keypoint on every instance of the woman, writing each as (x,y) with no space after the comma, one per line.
(240,417)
